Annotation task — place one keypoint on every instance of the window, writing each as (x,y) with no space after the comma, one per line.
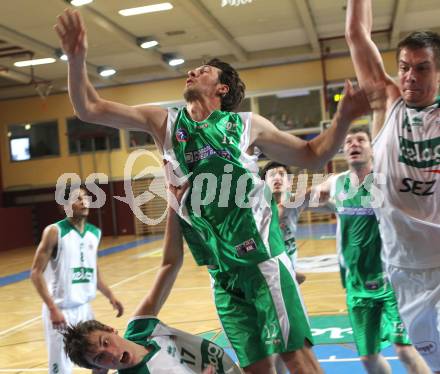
(245,106)
(33,140)
(334,95)
(292,109)
(139,139)
(85,133)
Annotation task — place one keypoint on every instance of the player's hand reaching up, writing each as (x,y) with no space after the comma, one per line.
(357,102)
(72,33)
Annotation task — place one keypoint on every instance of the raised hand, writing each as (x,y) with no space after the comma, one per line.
(358,102)
(72,33)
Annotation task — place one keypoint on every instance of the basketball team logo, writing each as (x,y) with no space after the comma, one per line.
(182,135)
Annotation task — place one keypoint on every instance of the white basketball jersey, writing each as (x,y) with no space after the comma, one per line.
(174,351)
(407,157)
(71,274)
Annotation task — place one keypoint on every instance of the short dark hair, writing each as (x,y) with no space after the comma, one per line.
(272,165)
(421,39)
(72,187)
(76,341)
(356,129)
(229,76)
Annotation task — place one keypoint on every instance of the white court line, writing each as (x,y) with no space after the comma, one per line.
(331,359)
(324,297)
(308,281)
(334,359)
(37,370)
(149,253)
(190,288)
(137,275)
(19,327)
(134,276)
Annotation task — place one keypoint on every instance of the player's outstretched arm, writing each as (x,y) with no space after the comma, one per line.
(88,105)
(172,261)
(367,60)
(314,154)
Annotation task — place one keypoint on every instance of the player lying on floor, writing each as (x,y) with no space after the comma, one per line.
(148,345)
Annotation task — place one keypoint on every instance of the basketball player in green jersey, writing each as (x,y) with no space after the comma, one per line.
(372,306)
(148,345)
(66,275)
(224,217)
(277,177)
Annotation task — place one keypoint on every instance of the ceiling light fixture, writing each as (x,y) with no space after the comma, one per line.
(145,9)
(172,60)
(60,54)
(39,61)
(80,2)
(106,71)
(292,93)
(147,42)
(176,61)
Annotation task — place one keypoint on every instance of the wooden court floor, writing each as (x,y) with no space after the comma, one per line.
(130,274)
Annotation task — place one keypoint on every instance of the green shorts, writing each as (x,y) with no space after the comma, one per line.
(376,323)
(261,309)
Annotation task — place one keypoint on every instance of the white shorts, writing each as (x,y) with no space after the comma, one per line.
(418,298)
(59,363)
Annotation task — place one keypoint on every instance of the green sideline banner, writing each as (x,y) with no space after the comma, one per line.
(332,329)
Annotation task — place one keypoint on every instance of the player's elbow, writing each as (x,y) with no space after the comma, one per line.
(83,114)
(179,263)
(315,160)
(355,33)
(90,112)
(35,274)
(351,33)
(173,265)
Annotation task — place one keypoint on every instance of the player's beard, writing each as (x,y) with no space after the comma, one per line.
(191,94)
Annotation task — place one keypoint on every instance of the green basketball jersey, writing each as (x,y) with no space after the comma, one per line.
(358,238)
(229,217)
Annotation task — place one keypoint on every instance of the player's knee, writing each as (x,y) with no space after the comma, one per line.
(405,353)
(260,367)
(302,360)
(369,359)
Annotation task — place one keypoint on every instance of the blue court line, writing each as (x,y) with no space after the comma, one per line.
(18,277)
(129,245)
(305,231)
